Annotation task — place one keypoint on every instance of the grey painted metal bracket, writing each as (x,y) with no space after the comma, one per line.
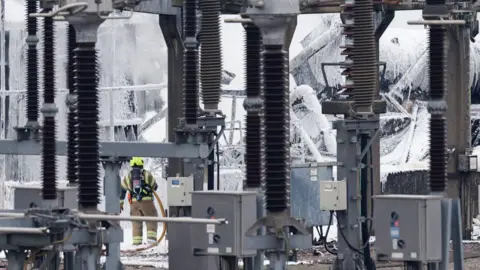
(161,7)
(346,107)
(269,242)
(113,149)
(447,223)
(278,222)
(76,236)
(456,223)
(382,64)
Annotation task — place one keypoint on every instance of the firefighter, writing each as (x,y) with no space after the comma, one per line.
(140,185)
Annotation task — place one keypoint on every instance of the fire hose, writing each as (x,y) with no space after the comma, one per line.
(164,231)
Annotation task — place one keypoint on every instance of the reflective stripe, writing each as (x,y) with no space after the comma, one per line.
(127,182)
(148,178)
(152,235)
(143,198)
(137,240)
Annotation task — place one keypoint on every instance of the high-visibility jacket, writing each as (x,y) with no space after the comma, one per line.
(126,186)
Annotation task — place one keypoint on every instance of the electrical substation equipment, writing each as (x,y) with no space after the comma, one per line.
(274,213)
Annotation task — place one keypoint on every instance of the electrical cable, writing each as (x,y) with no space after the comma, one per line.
(346,241)
(371,185)
(162,235)
(372,262)
(330,219)
(364,202)
(218,165)
(211,169)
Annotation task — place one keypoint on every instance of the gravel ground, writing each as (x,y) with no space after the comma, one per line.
(470,264)
(319,259)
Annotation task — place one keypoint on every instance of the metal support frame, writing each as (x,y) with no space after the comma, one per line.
(277,21)
(383,20)
(171,26)
(67,230)
(460,184)
(311,6)
(112,191)
(257,262)
(452,230)
(349,132)
(112,149)
(192,144)
(7,86)
(198,167)
(172,33)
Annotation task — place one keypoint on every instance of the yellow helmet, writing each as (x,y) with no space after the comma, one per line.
(136,161)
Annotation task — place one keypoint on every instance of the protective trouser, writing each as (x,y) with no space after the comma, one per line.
(143,208)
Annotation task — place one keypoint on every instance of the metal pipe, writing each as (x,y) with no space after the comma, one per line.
(131,218)
(436,22)
(11,215)
(17,230)
(237,20)
(153,219)
(132,88)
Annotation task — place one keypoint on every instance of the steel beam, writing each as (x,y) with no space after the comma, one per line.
(383,20)
(460,184)
(112,191)
(7,83)
(163,7)
(112,149)
(171,26)
(348,135)
(334,6)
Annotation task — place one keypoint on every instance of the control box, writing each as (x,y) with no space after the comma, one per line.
(28,196)
(179,191)
(408,228)
(238,208)
(333,195)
